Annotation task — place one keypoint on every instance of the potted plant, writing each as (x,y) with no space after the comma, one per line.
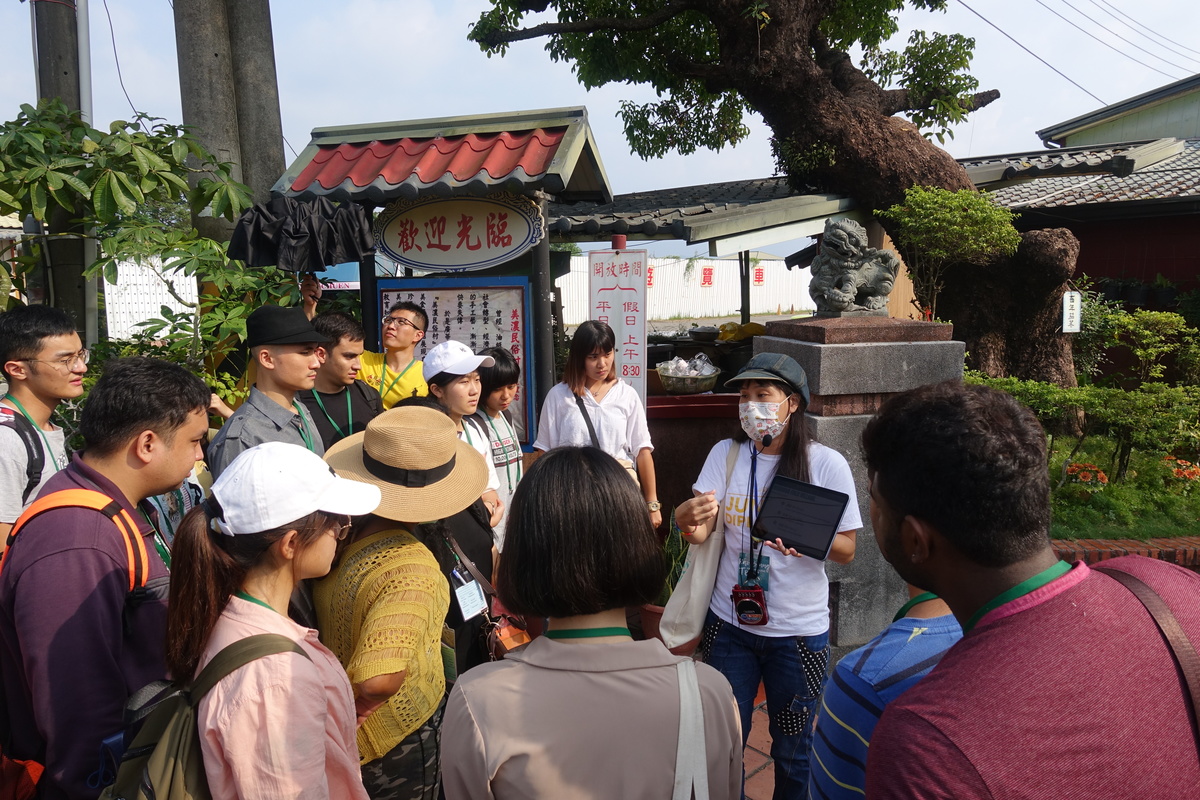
(1138,295)
(676,550)
(1164,292)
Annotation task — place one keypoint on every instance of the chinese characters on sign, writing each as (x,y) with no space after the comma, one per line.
(458,234)
(1072,303)
(617,282)
(477,312)
(759,276)
(706,277)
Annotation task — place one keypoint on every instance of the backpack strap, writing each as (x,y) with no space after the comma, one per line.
(35,457)
(238,655)
(588,419)
(135,548)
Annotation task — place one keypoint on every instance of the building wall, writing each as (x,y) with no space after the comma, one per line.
(682,292)
(1140,249)
(1178,117)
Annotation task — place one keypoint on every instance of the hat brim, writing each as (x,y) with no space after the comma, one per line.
(756,375)
(464,366)
(354,498)
(303,337)
(463,486)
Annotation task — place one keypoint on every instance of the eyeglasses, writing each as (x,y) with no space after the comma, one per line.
(342,531)
(399,322)
(66,362)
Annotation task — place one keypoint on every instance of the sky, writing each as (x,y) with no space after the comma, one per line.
(343,62)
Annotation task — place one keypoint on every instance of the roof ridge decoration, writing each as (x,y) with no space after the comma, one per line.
(551,150)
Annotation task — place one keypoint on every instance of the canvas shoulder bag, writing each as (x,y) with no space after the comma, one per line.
(683,617)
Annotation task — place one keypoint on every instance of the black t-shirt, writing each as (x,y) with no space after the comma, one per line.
(470,529)
(334,420)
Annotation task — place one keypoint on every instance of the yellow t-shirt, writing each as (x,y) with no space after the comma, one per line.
(392,387)
(380,611)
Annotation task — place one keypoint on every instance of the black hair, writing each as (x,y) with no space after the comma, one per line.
(589,337)
(415,308)
(793,458)
(335,326)
(505,372)
(578,539)
(136,394)
(23,329)
(422,401)
(969,460)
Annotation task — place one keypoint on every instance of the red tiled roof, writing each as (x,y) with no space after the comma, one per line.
(490,158)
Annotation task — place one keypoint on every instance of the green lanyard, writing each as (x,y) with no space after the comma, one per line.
(396,379)
(586,633)
(512,434)
(916,601)
(305,433)
(249,598)
(1021,589)
(42,433)
(349,415)
(161,546)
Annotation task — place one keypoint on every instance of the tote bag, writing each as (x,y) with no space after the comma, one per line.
(683,617)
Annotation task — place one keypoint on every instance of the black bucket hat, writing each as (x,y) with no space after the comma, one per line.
(773,367)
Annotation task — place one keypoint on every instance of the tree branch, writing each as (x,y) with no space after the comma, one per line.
(624,25)
(847,78)
(716,77)
(896,101)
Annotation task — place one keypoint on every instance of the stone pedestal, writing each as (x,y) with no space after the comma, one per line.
(853,365)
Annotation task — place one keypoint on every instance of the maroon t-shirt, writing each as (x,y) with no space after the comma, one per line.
(71,649)
(1068,693)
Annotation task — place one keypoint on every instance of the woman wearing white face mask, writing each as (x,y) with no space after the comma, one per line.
(787,649)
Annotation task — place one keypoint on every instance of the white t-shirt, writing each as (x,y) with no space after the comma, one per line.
(797,588)
(619,419)
(14,460)
(473,435)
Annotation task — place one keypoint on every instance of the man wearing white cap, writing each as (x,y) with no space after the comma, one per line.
(450,369)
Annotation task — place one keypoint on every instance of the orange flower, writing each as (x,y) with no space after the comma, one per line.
(1085,476)
(1072,469)
(1102,478)
(1178,472)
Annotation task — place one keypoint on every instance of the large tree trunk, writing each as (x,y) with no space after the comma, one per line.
(1010,314)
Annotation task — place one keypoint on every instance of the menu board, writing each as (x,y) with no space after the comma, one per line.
(479,312)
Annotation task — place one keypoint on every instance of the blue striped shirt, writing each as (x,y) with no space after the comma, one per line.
(861,685)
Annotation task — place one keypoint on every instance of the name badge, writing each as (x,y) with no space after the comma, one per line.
(469,596)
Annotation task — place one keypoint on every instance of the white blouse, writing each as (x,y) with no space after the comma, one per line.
(619,418)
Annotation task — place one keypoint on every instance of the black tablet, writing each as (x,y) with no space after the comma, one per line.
(804,516)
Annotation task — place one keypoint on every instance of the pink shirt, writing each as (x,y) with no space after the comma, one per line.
(282,726)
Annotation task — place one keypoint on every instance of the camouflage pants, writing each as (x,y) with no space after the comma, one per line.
(409,771)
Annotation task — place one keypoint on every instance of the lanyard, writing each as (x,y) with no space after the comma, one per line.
(586,633)
(349,414)
(161,546)
(42,433)
(751,513)
(1020,590)
(916,601)
(305,433)
(252,599)
(396,379)
(512,435)
(467,431)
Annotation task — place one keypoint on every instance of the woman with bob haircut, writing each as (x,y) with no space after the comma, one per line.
(281,726)
(592,407)
(584,711)
(785,649)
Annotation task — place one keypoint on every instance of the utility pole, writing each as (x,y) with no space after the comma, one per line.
(57,61)
(260,126)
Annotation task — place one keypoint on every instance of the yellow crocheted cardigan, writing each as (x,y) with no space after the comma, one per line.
(380,611)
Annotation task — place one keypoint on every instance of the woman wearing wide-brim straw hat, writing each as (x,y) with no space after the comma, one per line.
(383,607)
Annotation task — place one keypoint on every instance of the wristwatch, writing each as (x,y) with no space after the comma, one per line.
(654,505)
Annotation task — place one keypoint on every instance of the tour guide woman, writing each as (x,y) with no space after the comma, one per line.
(789,652)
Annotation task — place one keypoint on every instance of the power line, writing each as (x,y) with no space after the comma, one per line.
(1122,38)
(1035,55)
(289,144)
(120,78)
(1140,25)
(1139,33)
(1117,50)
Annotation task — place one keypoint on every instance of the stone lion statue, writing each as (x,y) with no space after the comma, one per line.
(847,275)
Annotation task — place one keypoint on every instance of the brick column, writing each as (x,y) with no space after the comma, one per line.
(853,365)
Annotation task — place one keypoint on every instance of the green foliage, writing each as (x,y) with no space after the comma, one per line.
(566,247)
(50,158)
(687,57)
(936,228)
(1150,336)
(1099,331)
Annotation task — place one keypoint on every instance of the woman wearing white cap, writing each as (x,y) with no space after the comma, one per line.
(451,370)
(281,726)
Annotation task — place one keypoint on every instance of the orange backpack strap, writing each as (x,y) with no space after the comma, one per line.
(135,548)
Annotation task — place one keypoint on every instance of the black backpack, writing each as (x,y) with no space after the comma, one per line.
(35,456)
(164,761)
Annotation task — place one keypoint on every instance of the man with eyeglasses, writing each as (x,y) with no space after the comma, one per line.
(44,362)
(396,372)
